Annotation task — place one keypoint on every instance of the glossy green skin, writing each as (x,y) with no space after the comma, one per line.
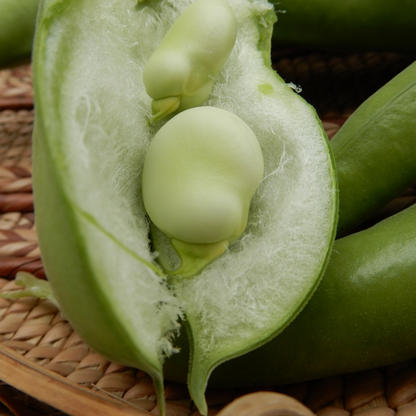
(354,25)
(361,316)
(347,25)
(375,151)
(17,24)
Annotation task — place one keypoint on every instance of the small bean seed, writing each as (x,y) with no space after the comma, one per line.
(181,72)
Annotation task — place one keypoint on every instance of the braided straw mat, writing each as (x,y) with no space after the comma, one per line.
(50,367)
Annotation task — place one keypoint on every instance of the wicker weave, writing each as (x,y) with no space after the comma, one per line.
(35,329)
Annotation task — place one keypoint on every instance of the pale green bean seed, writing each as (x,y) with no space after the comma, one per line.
(182,70)
(201,170)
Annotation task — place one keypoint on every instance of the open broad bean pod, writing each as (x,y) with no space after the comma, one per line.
(91,137)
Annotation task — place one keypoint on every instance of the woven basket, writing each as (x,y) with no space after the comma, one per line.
(47,366)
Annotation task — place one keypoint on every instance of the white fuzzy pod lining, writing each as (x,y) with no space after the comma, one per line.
(246,293)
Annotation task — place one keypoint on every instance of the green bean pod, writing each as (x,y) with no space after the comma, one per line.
(90,143)
(375,151)
(17,25)
(359,25)
(361,316)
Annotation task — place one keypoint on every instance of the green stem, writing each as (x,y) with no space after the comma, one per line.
(163,107)
(195,257)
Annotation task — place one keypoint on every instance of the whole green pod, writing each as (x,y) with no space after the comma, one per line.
(361,315)
(17,26)
(355,25)
(375,151)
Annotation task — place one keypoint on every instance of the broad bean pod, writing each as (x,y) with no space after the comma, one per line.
(17,25)
(90,142)
(357,25)
(375,151)
(361,315)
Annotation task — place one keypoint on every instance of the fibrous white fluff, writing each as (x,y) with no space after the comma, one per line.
(253,288)
(256,285)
